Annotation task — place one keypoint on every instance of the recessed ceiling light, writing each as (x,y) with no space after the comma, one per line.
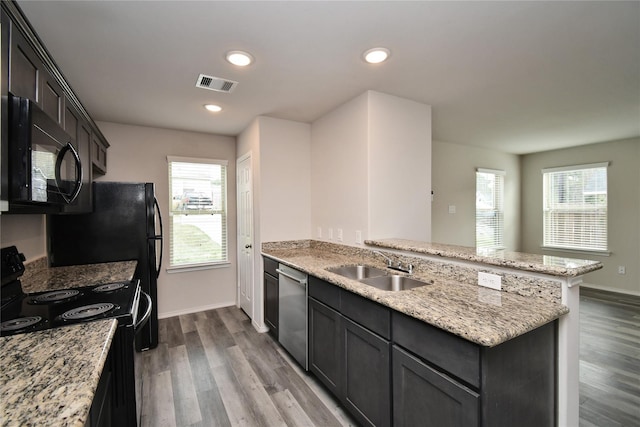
(239,58)
(213,108)
(376,55)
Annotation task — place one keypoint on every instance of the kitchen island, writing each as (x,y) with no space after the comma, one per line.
(536,290)
(50,377)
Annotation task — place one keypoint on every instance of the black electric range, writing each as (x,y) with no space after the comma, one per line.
(52,309)
(124,301)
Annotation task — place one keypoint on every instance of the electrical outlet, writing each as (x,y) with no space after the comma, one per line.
(358,237)
(488,280)
(319,232)
(622,269)
(452,209)
(339,234)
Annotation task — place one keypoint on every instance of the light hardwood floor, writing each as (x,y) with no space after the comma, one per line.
(212,368)
(609,359)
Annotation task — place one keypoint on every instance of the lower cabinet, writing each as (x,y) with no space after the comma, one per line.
(388,368)
(325,349)
(426,397)
(348,358)
(367,376)
(271,296)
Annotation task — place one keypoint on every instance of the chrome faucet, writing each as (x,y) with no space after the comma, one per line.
(408,269)
(389,260)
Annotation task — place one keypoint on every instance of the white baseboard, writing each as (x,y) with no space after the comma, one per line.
(260,328)
(195,309)
(610,289)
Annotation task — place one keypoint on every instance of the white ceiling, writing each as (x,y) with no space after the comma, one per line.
(519,77)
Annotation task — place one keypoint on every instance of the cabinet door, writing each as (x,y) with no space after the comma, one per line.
(425,397)
(26,66)
(271,295)
(52,98)
(367,375)
(325,350)
(98,154)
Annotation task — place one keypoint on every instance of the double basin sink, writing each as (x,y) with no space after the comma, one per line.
(378,278)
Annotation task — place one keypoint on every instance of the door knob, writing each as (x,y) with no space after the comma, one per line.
(248,246)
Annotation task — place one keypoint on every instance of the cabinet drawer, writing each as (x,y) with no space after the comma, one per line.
(324,292)
(455,355)
(369,314)
(270,266)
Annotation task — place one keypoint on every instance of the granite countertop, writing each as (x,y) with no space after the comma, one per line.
(50,377)
(39,277)
(547,264)
(477,314)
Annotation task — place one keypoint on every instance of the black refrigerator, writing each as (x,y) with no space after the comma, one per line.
(125,225)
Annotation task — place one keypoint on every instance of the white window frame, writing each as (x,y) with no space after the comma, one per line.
(555,231)
(174,268)
(496,210)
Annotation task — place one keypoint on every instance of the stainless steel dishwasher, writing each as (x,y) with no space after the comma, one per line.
(292,318)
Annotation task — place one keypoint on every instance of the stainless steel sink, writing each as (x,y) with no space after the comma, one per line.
(394,282)
(357,272)
(378,278)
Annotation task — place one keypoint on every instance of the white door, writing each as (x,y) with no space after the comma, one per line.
(245,235)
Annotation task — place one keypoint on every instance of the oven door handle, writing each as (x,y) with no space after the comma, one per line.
(145,317)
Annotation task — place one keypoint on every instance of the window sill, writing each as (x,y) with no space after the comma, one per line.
(198,267)
(576,251)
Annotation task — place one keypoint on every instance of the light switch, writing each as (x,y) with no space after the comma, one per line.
(452,209)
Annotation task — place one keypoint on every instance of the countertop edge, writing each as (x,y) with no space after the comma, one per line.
(465,253)
(43,396)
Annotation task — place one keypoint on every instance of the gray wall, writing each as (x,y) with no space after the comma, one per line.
(623,209)
(454,183)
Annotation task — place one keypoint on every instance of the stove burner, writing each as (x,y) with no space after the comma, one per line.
(87,311)
(55,296)
(109,287)
(19,323)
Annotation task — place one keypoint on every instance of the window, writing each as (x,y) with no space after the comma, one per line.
(198,212)
(490,208)
(575,207)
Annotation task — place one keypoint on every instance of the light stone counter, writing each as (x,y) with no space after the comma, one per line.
(480,315)
(39,277)
(49,378)
(546,264)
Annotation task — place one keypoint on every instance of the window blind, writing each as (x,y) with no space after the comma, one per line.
(198,212)
(490,208)
(575,207)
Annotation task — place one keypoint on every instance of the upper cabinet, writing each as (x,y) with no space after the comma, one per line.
(30,72)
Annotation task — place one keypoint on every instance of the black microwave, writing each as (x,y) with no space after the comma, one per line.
(44,166)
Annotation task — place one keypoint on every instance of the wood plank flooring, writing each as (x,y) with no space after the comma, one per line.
(213,369)
(609,359)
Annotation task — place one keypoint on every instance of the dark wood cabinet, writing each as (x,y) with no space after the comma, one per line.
(344,352)
(463,384)
(52,97)
(325,346)
(25,66)
(99,153)
(271,296)
(367,376)
(427,397)
(29,78)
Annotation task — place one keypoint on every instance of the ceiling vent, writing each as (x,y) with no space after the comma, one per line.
(216,83)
